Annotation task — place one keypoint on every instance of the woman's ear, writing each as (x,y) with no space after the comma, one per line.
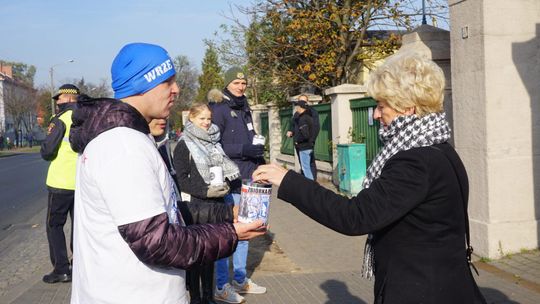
(410,111)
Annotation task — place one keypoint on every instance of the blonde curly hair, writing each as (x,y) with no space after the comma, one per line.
(408,80)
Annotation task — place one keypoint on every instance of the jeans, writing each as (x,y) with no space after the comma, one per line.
(305,162)
(313,165)
(239,256)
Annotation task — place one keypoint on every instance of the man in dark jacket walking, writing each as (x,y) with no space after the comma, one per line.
(314,133)
(303,137)
(233,117)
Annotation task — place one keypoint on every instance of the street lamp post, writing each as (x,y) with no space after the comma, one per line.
(424,12)
(51,74)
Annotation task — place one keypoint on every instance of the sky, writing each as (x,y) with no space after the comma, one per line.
(47,33)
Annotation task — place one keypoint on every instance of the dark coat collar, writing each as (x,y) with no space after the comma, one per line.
(95,116)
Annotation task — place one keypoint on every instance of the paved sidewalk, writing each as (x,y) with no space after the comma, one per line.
(326,268)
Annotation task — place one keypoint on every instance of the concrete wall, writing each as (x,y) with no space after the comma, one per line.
(274,132)
(495,87)
(340,97)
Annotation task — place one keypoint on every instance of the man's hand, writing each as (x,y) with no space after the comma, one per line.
(247,231)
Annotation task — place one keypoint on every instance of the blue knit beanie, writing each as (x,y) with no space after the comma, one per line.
(138,68)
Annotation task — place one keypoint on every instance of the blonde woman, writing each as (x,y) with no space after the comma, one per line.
(198,150)
(414,198)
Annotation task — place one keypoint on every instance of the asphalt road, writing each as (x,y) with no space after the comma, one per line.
(22,189)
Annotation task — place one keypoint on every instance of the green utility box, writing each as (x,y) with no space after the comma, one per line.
(351,167)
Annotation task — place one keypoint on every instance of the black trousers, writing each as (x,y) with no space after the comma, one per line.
(311,163)
(60,204)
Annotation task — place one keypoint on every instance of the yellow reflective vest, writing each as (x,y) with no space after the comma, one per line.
(61,173)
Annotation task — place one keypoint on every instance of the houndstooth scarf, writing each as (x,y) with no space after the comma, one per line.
(404,133)
(206,151)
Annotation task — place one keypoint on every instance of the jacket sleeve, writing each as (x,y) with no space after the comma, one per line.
(156,242)
(55,134)
(182,164)
(402,185)
(306,129)
(293,122)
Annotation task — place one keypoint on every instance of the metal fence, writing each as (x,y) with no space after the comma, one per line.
(264,127)
(323,144)
(365,129)
(285,119)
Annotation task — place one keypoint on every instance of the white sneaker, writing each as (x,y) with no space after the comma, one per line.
(248,287)
(228,294)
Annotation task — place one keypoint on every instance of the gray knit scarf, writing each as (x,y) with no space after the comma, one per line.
(206,151)
(404,133)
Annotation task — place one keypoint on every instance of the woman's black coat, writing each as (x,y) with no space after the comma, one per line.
(415,212)
(203,210)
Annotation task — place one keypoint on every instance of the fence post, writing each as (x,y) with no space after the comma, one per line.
(341,117)
(274,131)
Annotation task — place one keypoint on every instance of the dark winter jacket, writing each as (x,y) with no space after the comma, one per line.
(415,212)
(55,133)
(154,240)
(233,117)
(202,208)
(316,123)
(303,132)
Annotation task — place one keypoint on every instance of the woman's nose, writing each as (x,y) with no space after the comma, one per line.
(376,113)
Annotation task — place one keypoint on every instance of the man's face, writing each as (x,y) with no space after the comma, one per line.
(158,126)
(237,87)
(160,99)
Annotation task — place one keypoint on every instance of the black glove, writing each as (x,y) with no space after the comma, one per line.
(253,151)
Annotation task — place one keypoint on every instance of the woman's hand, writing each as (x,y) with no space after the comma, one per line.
(272,173)
(246,231)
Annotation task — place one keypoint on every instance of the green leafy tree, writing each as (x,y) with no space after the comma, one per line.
(43,98)
(211,74)
(292,45)
(21,71)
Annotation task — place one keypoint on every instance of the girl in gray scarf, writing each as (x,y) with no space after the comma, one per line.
(197,151)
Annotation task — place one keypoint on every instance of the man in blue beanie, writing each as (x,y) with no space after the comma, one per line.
(130,241)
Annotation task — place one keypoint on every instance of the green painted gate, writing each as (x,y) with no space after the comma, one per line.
(323,143)
(365,129)
(285,119)
(264,126)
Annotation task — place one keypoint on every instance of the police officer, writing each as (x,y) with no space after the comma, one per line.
(60,182)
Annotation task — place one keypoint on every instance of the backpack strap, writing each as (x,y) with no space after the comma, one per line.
(465,201)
